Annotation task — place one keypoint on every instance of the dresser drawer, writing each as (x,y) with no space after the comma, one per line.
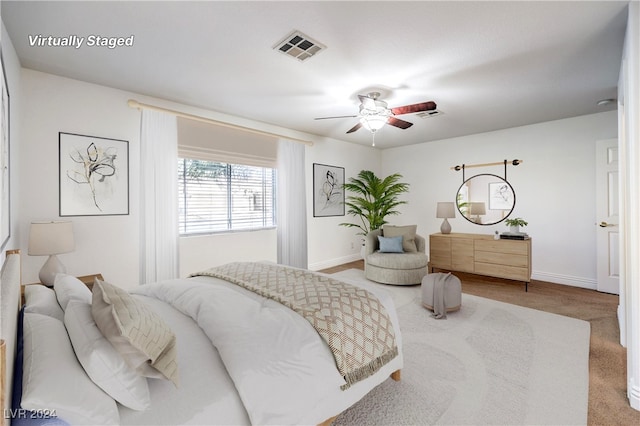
(502,258)
(502,271)
(503,246)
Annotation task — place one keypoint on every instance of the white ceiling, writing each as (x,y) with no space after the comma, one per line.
(487,65)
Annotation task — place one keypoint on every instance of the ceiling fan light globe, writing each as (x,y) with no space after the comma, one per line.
(373,123)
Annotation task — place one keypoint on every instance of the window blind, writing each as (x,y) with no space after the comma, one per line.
(219,197)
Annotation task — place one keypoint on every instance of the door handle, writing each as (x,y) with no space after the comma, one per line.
(605,224)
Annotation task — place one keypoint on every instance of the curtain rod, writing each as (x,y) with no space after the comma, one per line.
(138,105)
(501,163)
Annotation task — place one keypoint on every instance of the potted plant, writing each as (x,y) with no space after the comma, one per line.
(515,224)
(373,199)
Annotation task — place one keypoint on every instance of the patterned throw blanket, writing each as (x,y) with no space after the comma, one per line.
(351,320)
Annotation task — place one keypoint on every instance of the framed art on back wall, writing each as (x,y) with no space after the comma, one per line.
(5,139)
(93,176)
(328,190)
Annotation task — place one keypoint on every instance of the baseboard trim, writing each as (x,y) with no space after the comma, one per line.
(570,280)
(317,266)
(622,326)
(633,393)
(582,282)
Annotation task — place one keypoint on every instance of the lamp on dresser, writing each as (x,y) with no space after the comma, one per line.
(51,239)
(445,210)
(477,209)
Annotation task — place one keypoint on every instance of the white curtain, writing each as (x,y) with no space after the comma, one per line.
(159,197)
(292,205)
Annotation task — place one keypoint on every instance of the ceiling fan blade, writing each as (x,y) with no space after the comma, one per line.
(354,128)
(338,116)
(399,123)
(408,109)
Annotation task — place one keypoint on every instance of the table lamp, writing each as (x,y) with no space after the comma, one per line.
(50,239)
(443,211)
(477,209)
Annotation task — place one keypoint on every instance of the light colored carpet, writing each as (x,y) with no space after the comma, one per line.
(490,363)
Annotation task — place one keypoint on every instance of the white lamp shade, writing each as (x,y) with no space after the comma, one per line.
(49,238)
(373,123)
(477,208)
(446,210)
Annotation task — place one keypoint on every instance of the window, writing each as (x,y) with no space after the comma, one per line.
(219,197)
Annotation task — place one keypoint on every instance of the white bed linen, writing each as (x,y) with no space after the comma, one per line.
(281,369)
(206,395)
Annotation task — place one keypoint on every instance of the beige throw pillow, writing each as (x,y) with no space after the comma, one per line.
(407,232)
(143,339)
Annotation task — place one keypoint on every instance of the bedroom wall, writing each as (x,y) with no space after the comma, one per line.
(329,243)
(110,244)
(50,104)
(554,186)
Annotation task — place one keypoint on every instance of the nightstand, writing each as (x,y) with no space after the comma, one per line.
(87,280)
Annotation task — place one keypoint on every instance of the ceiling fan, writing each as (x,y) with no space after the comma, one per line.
(374,113)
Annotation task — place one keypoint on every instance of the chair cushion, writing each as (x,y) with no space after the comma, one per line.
(397,260)
(407,232)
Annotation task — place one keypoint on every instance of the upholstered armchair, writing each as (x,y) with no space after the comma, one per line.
(406,266)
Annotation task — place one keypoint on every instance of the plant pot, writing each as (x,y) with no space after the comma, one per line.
(514,229)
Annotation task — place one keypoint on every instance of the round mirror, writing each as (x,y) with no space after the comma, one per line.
(485,199)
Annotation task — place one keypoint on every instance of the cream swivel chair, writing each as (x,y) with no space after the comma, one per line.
(405,268)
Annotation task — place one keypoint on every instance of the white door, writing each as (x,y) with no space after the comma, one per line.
(608,235)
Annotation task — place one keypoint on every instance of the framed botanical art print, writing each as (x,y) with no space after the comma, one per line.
(94,175)
(501,196)
(5,134)
(328,190)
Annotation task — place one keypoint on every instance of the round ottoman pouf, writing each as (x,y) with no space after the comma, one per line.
(452,291)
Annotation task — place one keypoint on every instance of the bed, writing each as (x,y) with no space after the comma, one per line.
(239,355)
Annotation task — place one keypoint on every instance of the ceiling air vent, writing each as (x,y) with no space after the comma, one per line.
(428,114)
(299,46)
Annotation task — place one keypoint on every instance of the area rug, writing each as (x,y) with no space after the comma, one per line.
(490,363)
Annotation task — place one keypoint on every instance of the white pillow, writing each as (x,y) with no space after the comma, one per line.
(40,299)
(101,361)
(68,287)
(53,379)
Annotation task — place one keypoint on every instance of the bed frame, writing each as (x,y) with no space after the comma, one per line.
(10,281)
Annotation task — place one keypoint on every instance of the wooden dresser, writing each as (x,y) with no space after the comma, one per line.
(481,254)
